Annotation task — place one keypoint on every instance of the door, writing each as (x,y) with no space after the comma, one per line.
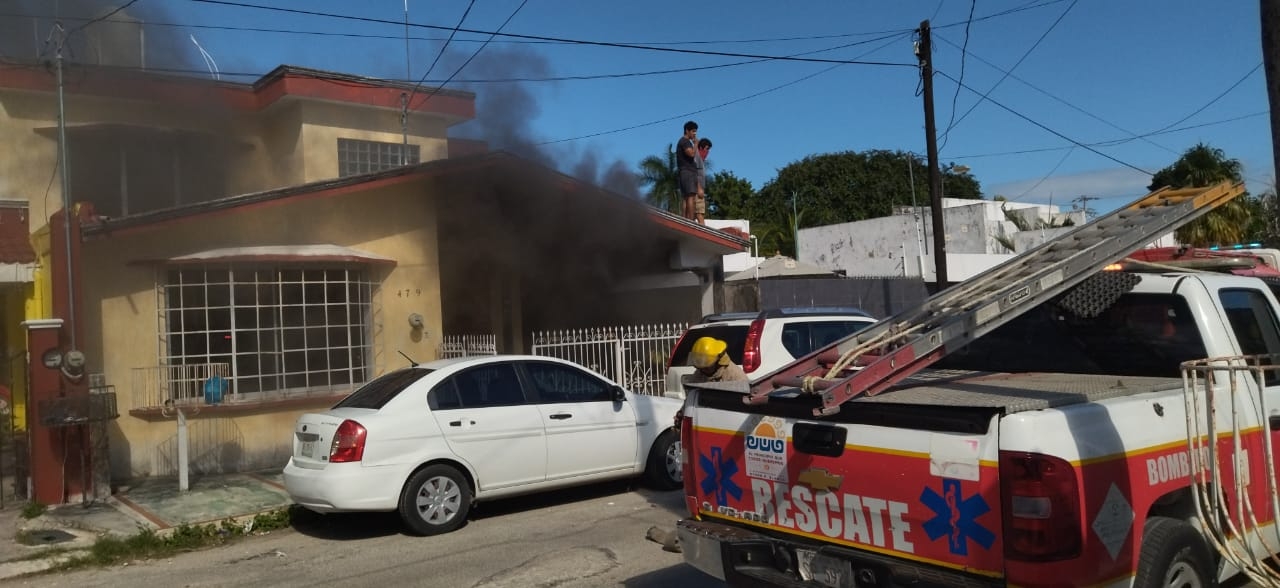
(587,431)
(488,423)
(1251,316)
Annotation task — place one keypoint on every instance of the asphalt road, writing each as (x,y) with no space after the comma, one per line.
(587,537)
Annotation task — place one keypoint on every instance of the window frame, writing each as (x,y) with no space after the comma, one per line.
(252,307)
(531,385)
(363,156)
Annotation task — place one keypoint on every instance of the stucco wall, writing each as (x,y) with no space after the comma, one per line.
(120,303)
(323,124)
(291,142)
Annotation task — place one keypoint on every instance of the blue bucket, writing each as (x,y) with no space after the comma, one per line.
(214,388)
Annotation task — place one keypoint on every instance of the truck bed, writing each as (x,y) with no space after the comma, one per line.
(1012,393)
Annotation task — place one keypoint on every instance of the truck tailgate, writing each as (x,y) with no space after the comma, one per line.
(894,480)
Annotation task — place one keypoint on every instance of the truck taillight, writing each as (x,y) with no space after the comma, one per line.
(1041,507)
(348,443)
(751,349)
(688,453)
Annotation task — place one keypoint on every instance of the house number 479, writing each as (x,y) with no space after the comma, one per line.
(407,292)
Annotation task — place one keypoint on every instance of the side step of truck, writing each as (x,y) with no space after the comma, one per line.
(899,346)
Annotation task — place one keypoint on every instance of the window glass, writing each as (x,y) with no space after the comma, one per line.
(795,338)
(268,328)
(444,396)
(361,157)
(1254,325)
(489,385)
(379,392)
(1138,335)
(735,336)
(562,383)
(822,334)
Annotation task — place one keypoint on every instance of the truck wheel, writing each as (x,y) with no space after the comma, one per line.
(1174,555)
(435,500)
(663,470)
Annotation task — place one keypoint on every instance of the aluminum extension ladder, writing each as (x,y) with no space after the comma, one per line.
(899,346)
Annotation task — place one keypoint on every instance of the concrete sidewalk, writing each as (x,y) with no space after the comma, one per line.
(154,504)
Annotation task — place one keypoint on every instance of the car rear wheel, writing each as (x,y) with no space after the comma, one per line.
(1174,555)
(436,500)
(663,470)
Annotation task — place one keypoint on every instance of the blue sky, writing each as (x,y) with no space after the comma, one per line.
(1104,70)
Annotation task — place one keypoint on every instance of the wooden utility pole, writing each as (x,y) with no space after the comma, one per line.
(924,51)
(1270,19)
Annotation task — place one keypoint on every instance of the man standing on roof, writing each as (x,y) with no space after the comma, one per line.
(687,169)
(711,357)
(700,203)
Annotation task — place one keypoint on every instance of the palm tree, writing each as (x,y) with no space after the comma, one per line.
(1203,165)
(663,180)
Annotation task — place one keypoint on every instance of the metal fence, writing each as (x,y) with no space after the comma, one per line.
(156,386)
(634,356)
(467,346)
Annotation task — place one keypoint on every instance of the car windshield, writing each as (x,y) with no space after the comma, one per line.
(735,336)
(379,392)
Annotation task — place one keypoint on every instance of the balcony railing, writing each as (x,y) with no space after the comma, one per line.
(158,386)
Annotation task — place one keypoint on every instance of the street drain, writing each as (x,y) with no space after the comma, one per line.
(45,537)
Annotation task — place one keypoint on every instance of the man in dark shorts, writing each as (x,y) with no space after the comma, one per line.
(687,169)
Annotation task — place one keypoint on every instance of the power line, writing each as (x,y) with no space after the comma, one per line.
(956,95)
(1043,127)
(1009,73)
(716,106)
(1030,6)
(509,79)
(1025,54)
(468,61)
(557,39)
(1216,98)
(443,48)
(1042,180)
(99,19)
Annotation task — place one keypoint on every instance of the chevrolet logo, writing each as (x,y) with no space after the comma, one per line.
(819,479)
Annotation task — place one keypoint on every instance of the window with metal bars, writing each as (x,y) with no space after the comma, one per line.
(282,330)
(361,157)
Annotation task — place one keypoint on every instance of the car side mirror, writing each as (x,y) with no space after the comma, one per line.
(619,395)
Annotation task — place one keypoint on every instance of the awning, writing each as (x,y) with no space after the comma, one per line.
(277,254)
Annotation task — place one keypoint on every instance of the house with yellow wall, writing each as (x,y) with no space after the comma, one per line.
(248,252)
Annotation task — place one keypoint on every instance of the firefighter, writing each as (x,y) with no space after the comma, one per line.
(710,356)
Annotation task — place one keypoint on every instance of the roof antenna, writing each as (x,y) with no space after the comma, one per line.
(412,363)
(208,60)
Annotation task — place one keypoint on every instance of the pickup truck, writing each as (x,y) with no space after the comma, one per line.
(1053,451)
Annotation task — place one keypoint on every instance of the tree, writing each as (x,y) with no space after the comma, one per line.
(841,187)
(1203,165)
(728,196)
(660,174)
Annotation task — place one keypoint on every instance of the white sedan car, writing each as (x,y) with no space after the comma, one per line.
(429,440)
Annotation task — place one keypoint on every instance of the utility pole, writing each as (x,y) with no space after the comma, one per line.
(1270,17)
(1084,204)
(924,51)
(59,38)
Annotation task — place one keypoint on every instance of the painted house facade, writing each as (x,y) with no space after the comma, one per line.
(247,252)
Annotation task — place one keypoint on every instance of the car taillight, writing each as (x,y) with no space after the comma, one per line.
(688,453)
(348,443)
(751,349)
(671,357)
(1041,507)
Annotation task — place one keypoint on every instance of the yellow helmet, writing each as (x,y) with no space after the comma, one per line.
(706,352)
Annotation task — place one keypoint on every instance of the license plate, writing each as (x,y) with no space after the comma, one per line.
(825,570)
(308,448)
